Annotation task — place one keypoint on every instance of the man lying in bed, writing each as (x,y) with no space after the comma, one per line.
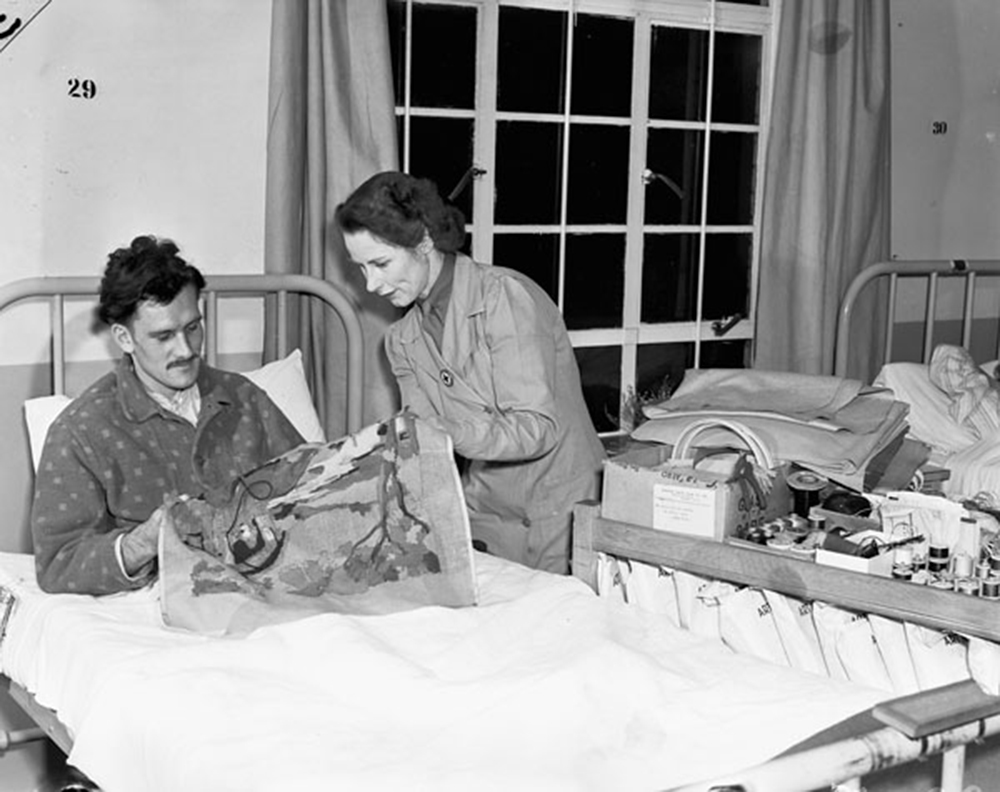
(163,424)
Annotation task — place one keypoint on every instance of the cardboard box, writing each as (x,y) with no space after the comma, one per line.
(876,565)
(639,488)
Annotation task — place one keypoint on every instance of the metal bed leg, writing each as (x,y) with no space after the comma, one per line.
(953,769)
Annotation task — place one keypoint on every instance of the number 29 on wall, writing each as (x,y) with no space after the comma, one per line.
(82,89)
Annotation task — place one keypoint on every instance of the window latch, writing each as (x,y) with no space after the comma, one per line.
(722,326)
(474,172)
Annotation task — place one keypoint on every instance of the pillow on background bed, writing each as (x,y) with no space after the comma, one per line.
(929,416)
(283,380)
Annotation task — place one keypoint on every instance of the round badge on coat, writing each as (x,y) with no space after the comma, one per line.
(446,378)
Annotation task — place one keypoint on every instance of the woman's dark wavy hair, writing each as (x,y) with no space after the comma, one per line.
(148,269)
(397,208)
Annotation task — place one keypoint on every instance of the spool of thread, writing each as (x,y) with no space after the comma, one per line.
(806,487)
(938,551)
(967,586)
(995,563)
(937,565)
(989,588)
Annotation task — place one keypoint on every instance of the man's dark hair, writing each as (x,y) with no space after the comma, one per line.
(148,269)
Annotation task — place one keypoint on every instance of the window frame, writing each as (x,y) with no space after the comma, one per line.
(707,15)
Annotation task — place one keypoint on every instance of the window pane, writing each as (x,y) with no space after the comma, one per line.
(598,174)
(443,74)
(441,150)
(727,275)
(600,373)
(531,60)
(673,187)
(594,285)
(678,74)
(731,178)
(736,84)
(660,369)
(669,278)
(528,159)
(725,354)
(602,66)
(536,255)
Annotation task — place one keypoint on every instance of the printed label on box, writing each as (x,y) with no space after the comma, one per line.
(684,509)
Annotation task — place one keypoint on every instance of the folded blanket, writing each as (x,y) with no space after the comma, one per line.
(831,425)
(372,523)
(807,398)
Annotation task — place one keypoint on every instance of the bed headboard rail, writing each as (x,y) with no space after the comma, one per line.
(269,287)
(932,271)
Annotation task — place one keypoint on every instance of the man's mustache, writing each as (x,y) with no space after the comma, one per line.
(185,362)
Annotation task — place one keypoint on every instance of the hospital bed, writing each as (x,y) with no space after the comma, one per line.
(883,755)
(541,685)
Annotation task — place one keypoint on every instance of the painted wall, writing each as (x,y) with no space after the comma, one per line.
(117,117)
(946,162)
(945,129)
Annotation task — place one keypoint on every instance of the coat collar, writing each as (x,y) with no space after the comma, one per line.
(468,296)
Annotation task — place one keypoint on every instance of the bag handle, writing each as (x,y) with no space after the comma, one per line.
(761,453)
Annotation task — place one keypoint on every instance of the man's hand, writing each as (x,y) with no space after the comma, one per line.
(140,545)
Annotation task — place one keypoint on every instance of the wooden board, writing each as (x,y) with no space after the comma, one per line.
(935,608)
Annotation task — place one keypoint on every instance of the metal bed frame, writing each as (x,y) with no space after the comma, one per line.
(892,271)
(276,289)
(842,764)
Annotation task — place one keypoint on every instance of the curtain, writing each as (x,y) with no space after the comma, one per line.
(825,211)
(331,125)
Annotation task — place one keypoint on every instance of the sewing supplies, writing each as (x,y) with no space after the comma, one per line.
(806,487)
(989,588)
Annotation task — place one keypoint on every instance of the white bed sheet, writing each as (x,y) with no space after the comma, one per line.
(542,686)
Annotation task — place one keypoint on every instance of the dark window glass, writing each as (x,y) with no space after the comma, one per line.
(660,369)
(673,183)
(725,354)
(528,158)
(669,278)
(731,178)
(594,281)
(441,150)
(736,83)
(443,62)
(678,78)
(536,255)
(727,275)
(600,372)
(531,60)
(602,66)
(598,174)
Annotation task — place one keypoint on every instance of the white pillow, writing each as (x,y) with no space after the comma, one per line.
(929,418)
(39,414)
(283,380)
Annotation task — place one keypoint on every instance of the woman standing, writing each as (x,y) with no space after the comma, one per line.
(483,354)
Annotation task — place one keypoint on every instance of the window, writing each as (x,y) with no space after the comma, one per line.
(609,149)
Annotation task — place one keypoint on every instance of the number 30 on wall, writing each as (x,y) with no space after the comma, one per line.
(82,89)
